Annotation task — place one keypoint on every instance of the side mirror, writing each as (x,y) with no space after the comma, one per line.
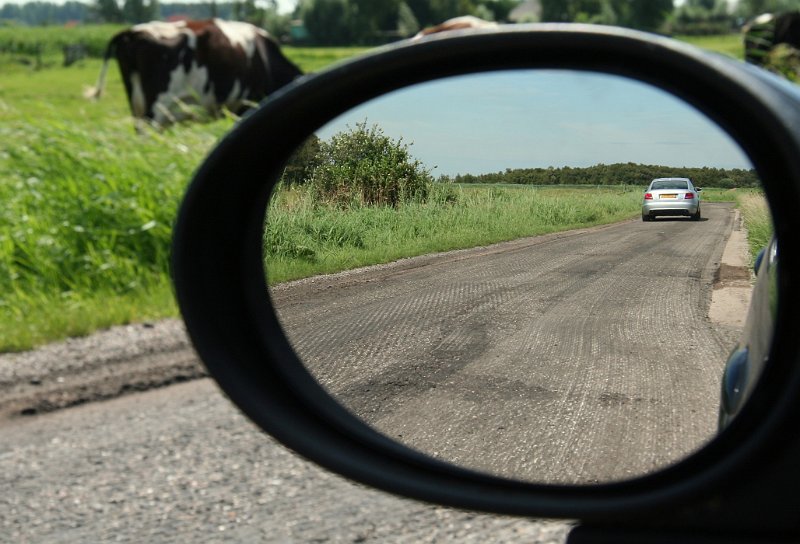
(741,484)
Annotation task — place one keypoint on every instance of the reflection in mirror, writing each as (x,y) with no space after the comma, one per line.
(574,342)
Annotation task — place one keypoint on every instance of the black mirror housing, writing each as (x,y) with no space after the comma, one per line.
(742,485)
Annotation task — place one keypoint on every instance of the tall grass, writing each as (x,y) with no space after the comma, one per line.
(303,238)
(88,207)
(86,219)
(757,220)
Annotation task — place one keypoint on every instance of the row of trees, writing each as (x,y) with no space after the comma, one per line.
(366,21)
(340,22)
(365,145)
(138,11)
(614,174)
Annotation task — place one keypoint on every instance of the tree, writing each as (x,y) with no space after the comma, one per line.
(139,11)
(329,22)
(345,22)
(557,10)
(641,14)
(407,24)
(500,8)
(108,11)
(302,162)
(646,14)
(441,10)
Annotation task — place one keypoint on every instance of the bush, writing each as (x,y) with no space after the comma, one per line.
(302,162)
(365,167)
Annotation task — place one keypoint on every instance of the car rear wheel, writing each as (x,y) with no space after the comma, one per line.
(646,217)
(696,217)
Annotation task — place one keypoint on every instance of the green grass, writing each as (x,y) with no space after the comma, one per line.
(727,44)
(755,213)
(87,208)
(304,239)
(88,205)
(757,220)
(313,59)
(40,47)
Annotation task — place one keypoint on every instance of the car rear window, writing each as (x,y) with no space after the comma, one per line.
(670,184)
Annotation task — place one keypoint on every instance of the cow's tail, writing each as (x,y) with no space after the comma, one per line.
(94,93)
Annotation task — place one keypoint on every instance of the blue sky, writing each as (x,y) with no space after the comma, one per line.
(540,118)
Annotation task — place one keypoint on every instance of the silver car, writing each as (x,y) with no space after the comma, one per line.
(671,196)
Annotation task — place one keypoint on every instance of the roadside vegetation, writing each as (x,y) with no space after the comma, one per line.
(304,238)
(88,204)
(757,220)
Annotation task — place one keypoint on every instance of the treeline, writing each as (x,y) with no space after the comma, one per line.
(49,13)
(350,22)
(614,174)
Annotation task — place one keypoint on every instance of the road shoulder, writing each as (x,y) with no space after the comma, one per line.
(733,286)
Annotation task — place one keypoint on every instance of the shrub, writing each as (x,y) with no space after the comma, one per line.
(302,162)
(365,167)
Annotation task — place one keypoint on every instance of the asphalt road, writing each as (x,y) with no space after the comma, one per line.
(182,465)
(574,357)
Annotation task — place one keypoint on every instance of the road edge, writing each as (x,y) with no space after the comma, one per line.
(733,280)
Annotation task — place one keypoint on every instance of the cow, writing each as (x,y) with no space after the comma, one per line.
(768,30)
(456,23)
(211,63)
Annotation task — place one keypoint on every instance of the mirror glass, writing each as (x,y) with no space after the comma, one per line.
(465,267)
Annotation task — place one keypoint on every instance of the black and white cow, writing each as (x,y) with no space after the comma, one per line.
(211,63)
(768,30)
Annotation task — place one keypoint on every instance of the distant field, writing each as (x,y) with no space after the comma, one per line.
(728,44)
(24,48)
(34,46)
(88,205)
(304,239)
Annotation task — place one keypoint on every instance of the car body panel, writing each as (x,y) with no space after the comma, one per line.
(748,358)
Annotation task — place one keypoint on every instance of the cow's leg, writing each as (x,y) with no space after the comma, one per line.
(137,98)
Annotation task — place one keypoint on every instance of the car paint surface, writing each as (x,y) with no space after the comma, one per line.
(748,358)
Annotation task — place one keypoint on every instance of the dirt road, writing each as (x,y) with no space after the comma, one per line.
(578,357)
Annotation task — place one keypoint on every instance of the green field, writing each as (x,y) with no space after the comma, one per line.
(88,205)
(306,239)
(727,44)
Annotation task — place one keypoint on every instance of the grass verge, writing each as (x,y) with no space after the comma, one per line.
(757,221)
(304,239)
(755,213)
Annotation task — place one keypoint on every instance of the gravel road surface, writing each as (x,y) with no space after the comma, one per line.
(182,465)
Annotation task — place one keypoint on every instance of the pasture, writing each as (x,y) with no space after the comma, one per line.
(88,205)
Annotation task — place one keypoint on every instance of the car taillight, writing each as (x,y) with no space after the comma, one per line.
(648,196)
(689,196)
